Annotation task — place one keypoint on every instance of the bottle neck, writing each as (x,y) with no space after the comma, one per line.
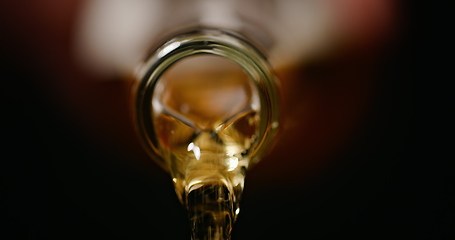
(205,124)
(218,43)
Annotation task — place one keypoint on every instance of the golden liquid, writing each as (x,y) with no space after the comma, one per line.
(206,122)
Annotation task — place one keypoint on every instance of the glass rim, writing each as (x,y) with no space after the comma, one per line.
(219,43)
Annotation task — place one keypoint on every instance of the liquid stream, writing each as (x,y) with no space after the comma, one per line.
(206,126)
(208,171)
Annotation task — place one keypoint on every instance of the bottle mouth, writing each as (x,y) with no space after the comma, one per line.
(212,42)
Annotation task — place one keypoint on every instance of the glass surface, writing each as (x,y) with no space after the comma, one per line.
(207,109)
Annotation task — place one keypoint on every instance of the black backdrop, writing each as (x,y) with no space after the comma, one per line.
(53,185)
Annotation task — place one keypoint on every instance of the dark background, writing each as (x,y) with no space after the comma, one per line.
(55,183)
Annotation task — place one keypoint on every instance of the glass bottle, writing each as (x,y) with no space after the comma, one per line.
(115,36)
(164,39)
(206,108)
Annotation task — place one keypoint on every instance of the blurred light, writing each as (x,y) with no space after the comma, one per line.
(111,35)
